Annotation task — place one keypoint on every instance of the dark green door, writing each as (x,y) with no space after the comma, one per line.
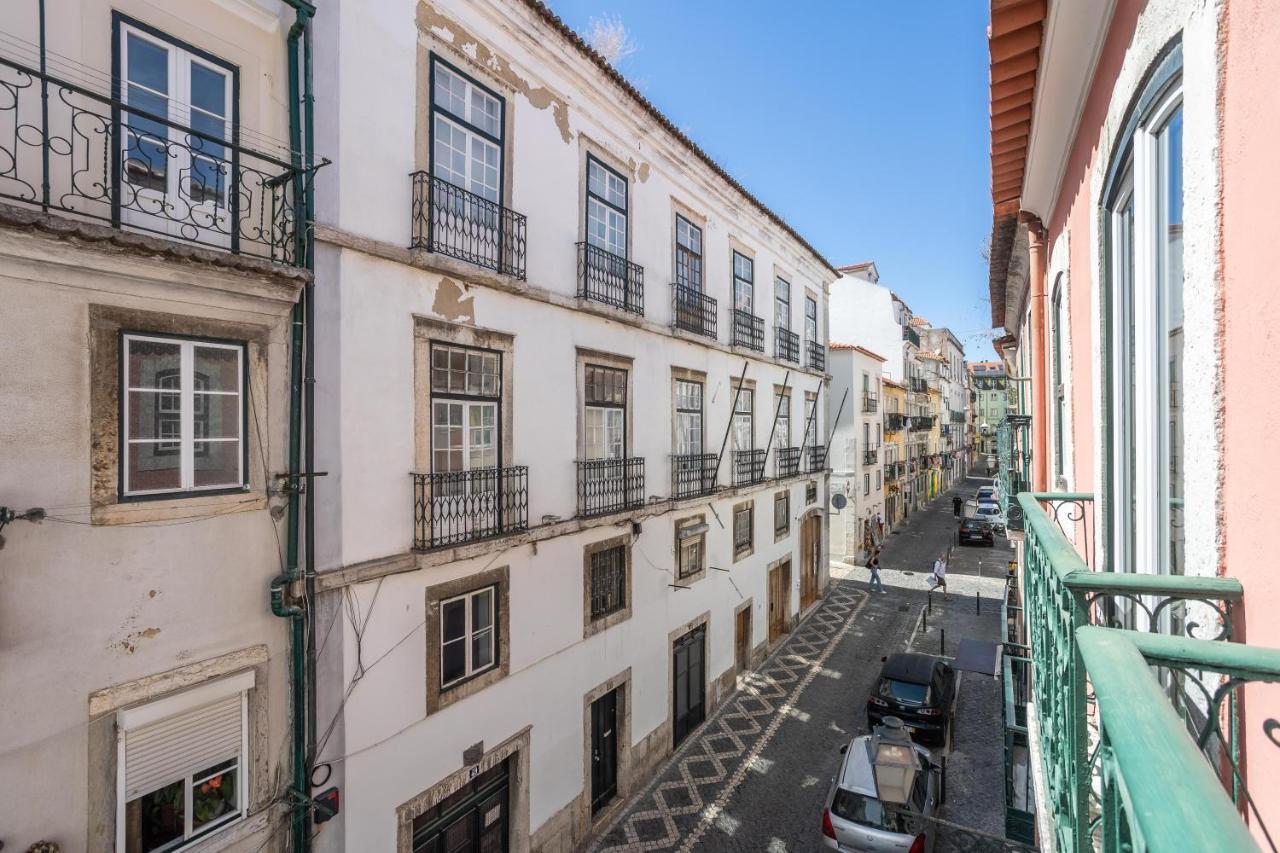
(689,695)
(604,750)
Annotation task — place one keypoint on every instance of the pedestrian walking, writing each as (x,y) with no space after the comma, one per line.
(940,575)
(874,565)
(880,524)
(957,503)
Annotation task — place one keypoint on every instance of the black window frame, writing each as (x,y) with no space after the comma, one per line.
(683,253)
(433,395)
(700,412)
(749,282)
(587,403)
(435,59)
(777,279)
(586,207)
(606,561)
(809,301)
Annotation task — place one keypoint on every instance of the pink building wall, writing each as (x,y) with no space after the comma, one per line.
(1250,321)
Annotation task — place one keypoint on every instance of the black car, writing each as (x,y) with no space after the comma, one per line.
(975,530)
(918,689)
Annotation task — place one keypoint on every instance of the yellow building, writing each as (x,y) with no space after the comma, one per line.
(895,449)
(935,440)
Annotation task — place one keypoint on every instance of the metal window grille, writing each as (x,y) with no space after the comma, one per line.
(693,475)
(609,278)
(786,345)
(748,467)
(817,356)
(449,220)
(748,330)
(608,581)
(742,529)
(781,513)
(610,485)
(787,462)
(693,311)
(463,506)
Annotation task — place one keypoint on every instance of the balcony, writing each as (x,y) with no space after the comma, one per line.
(870,404)
(893,422)
(610,279)
(748,467)
(918,385)
(817,356)
(1139,726)
(450,221)
(870,456)
(748,330)
(453,507)
(910,335)
(958,417)
(920,423)
(786,345)
(610,485)
(786,462)
(693,311)
(893,470)
(815,459)
(71,150)
(693,475)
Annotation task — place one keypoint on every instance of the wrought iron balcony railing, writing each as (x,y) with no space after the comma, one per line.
(748,330)
(748,467)
(786,345)
(69,149)
(893,422)
(448,220)
(910,334)
(870,456)
(786,462)
(693,475)
(817,356)
(610,485)
(693,311)
(870,403)
(816,458)
(1133,686)
(958,417)
(920,423)
(453,507)
(609,278)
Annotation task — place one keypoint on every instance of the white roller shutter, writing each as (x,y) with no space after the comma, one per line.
(166,751)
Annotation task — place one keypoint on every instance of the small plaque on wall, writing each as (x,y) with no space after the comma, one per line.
(473,754)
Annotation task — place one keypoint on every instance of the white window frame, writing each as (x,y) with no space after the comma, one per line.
(130,719)
(468,634)
(186,436)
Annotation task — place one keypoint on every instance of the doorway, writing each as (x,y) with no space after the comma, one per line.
(471,820)
(689,689)
(604,750)
(742,639)
(779,600)
(810,559)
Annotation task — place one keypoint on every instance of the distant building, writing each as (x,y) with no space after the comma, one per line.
(857,449)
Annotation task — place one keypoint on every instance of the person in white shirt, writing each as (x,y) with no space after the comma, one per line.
(940,574)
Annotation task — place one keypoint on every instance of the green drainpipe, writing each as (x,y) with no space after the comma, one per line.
(300,691)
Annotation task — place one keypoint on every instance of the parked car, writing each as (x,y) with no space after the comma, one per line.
(918,689)
(987,494)
(856,820)
(975,530)
(990,513)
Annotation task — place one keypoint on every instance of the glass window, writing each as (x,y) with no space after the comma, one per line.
(810,319)
(606,208)
(690,547)
(742,530)
(183,417)
(608,581)
(782,404)
(744,420)
(782,303)
(467,645)
(466,133)
(605,416)
(781,513)
(466,387)
(688,418)
(743,282)
(688,254)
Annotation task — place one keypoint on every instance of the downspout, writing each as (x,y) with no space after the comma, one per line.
(1039,401)
(300,666)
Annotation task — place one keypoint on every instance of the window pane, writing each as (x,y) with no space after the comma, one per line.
(1171,281)
(208,90)
(450,91)
(217,415)
(453,619)
(150,467)
(213,798)
(453,660)
(148,64)
(217,463)
(481,650)
(149,360)
(219,367)
(482,610)
(156,819)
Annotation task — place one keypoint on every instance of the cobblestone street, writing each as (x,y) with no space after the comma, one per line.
(755,775)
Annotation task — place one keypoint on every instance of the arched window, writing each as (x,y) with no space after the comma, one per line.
(1143,363)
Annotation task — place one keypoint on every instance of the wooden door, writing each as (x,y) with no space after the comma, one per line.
(779,601)
(742,639)
(810,559)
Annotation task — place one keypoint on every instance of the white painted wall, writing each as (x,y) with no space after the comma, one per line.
(848,467)
(862,313)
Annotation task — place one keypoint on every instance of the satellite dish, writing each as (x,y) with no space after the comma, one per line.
(839,501)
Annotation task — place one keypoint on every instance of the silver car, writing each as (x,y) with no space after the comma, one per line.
(856,820)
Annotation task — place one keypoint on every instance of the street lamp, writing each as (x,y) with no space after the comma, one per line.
(893,758)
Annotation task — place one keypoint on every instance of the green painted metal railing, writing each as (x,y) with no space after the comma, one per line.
(1134,758)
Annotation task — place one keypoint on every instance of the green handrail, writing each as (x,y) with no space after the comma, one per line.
(1158,793)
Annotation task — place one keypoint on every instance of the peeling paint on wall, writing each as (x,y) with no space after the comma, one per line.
(129,642)
(453,302)
(540,97)
(642,173)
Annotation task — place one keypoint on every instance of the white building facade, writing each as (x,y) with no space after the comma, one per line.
(857,450)
(149,270)
(576,410)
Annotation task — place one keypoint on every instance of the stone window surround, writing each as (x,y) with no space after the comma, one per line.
(691,579)
(585,356)
(591,148)
(426,331)
(103,748)
(517,806)
(781,533)
(735,383)
(106,324)
(682,374)
(620,681)
(591,626)
(500,577)
(739,556)
(679,208)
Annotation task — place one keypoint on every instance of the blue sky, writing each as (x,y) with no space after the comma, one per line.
(863,123)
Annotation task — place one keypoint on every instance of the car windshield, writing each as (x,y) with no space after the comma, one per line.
(867,811)
(904,691)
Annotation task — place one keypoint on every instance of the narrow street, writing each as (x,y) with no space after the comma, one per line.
(755,775)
